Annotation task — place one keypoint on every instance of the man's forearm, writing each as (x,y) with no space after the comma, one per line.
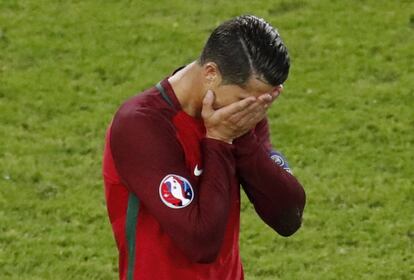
(277,196)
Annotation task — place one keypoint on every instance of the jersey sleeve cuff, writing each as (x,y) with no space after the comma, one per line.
(246,145)
(217,143)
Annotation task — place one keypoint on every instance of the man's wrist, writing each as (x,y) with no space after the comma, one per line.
(246,144)
(215,137)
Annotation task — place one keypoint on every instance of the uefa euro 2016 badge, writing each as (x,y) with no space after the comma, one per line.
(175,191)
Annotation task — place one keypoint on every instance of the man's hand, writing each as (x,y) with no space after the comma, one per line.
(276,92)
(236,119)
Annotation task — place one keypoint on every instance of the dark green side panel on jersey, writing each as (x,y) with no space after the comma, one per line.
(131,223)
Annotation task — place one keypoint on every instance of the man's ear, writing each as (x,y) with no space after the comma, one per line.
(212,75)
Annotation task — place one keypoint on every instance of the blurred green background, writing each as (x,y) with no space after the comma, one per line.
(345,122)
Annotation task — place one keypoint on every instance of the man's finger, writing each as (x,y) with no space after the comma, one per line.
(253,117)
(265,98)
(248,111)
(238,106)
(208,101)
(276,92)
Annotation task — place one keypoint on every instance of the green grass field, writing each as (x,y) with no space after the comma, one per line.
(345,122)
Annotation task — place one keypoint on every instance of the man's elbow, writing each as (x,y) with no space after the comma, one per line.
(290,219)
(204,252)
(287,227)
(285,223)
(202,242)
(205,257)
(202,246)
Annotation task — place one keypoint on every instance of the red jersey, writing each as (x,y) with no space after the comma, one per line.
(173,196)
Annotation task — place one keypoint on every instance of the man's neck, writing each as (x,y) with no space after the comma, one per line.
(187,86)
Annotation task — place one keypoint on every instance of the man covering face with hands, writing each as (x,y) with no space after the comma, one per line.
(176,155)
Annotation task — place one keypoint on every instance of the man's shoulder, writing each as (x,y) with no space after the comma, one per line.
(149,98)
(146,111)
(148,103)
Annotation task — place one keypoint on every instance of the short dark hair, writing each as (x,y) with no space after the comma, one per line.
(244,46)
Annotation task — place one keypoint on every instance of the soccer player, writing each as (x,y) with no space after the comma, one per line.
(176,154)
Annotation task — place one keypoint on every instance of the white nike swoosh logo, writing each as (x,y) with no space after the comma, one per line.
(197,172)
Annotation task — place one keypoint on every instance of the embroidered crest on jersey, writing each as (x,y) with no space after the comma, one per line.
(175,191)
